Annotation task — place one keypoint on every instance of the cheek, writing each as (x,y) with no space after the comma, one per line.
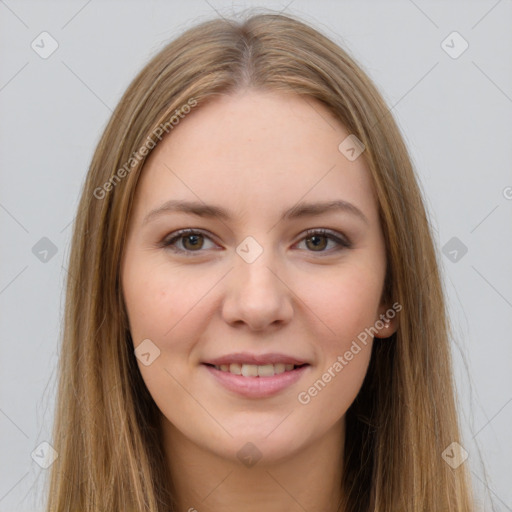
(165,307)
(158,297)
(346,304)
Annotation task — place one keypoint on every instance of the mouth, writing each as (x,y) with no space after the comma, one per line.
(254,370)
(256,381)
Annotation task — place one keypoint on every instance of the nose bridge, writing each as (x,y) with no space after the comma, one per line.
(255,277)
(256,295)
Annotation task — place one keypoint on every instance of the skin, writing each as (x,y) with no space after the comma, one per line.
(256,154)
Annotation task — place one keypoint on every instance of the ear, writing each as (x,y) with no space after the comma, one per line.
(386,322)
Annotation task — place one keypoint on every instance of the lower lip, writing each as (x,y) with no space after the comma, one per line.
(257,387)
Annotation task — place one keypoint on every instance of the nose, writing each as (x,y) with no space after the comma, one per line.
(257,295)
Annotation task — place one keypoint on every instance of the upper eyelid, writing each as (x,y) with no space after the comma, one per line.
(176,235)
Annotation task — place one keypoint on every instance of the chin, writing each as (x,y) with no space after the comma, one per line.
(265,446)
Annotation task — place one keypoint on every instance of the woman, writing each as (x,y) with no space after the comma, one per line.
(255,318)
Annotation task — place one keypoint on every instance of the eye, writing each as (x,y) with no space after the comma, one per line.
(317,240)
(192,241)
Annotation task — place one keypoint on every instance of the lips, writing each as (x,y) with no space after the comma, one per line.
(244,358)
(256,375)
(256,365)
(256,386)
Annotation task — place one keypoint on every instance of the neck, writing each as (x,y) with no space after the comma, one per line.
(309,479)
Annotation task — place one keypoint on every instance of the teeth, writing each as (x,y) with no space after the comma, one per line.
(253,370)
(279,368)
(234,368)
(266,370)
(249,370)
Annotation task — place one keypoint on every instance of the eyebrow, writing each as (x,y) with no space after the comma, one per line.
(212,211)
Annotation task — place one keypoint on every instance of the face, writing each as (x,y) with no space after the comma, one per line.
(261,284)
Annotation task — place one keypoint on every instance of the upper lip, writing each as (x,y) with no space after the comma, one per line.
(257,359)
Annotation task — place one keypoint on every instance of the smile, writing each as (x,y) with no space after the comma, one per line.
(256,381)
(253,370)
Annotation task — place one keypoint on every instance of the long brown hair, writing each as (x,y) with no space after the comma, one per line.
(106,429)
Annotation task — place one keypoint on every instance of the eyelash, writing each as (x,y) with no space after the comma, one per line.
(344,243)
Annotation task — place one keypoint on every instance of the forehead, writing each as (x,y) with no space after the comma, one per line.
(256,151)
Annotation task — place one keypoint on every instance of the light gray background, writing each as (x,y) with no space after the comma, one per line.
(455,115)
